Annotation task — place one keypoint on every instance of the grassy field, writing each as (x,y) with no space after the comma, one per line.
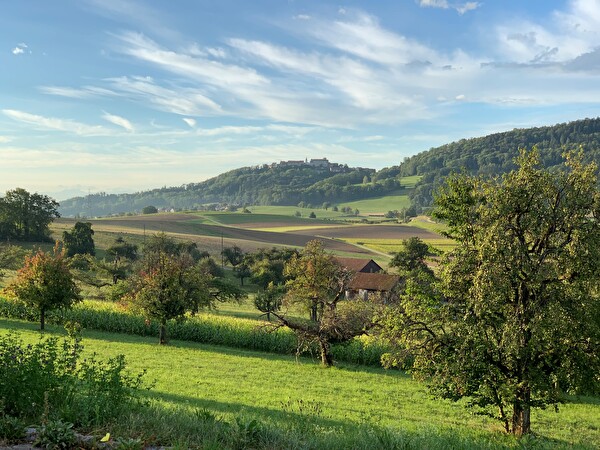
(291,211)
(388,246)
(279,390)
(379,205)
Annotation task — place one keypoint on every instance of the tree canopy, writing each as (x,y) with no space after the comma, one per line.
(317,284)
(80,240)
(514,321)
(25,216)
(45,283)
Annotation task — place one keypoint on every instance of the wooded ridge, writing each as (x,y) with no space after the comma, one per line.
(291,182)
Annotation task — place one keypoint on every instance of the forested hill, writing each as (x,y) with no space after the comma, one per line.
(495,153)
(275,184)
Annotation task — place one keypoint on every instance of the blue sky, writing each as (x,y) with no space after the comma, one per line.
(124,95)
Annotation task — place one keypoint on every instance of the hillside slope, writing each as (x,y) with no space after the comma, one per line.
(494,154)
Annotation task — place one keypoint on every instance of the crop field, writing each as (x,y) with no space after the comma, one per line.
(208,236)
(282,390)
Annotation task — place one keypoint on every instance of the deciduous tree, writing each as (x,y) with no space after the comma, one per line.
(45,283)
(514,322)
(80,240)
(317,284)
(25,216)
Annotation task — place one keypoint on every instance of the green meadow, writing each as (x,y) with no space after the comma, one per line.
(295,398)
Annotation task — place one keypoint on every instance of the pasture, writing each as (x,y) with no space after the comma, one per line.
(287,394)
(379,205)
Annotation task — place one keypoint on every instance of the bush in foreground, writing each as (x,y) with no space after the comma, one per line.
(50,379)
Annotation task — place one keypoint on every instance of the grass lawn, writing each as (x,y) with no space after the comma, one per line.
(280,389)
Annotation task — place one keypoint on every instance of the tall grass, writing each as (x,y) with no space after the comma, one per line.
(204,328)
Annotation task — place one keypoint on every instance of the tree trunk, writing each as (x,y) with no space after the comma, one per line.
(162,333)
(326,358)
(313,313)
(42,319)
(521,419)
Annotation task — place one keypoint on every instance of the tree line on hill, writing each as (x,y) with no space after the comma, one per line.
(283,185)
(245,186)
(495,154)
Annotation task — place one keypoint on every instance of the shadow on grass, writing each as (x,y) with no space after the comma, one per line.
(284,415)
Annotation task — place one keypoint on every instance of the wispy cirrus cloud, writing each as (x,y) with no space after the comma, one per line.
(118,120)
(52,123)
(191,122)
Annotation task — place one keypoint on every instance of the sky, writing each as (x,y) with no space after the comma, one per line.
(127,95)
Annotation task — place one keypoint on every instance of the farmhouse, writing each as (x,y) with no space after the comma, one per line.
(367,285)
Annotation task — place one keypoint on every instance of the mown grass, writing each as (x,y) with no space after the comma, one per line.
(389,246)
(427,223)
(379,205)
(290,211)
(298,404)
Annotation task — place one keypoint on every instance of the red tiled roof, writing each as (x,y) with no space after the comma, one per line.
(373,281)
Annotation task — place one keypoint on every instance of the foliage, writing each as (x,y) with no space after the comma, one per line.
(25,216)
(263,185)
(269,299)
(79,241)
(495,154)
(412,256)
(233,255)
(513,322)
(169,283)
(318,284)
(124,255)
(45,282)
(203,327)
(149,209)
(12,429)
(266,265)
(56,434)
(49,380)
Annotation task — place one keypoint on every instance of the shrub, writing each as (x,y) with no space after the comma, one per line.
(50,379)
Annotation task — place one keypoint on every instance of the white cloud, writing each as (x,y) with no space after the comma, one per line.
(20,49)
(118,120)
(52,123)
(559,39)
(461,8)
(302,17)
(191,122)
(466,7)
(434,4)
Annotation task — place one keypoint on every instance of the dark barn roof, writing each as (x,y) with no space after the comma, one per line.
(380,282)
(359,264)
